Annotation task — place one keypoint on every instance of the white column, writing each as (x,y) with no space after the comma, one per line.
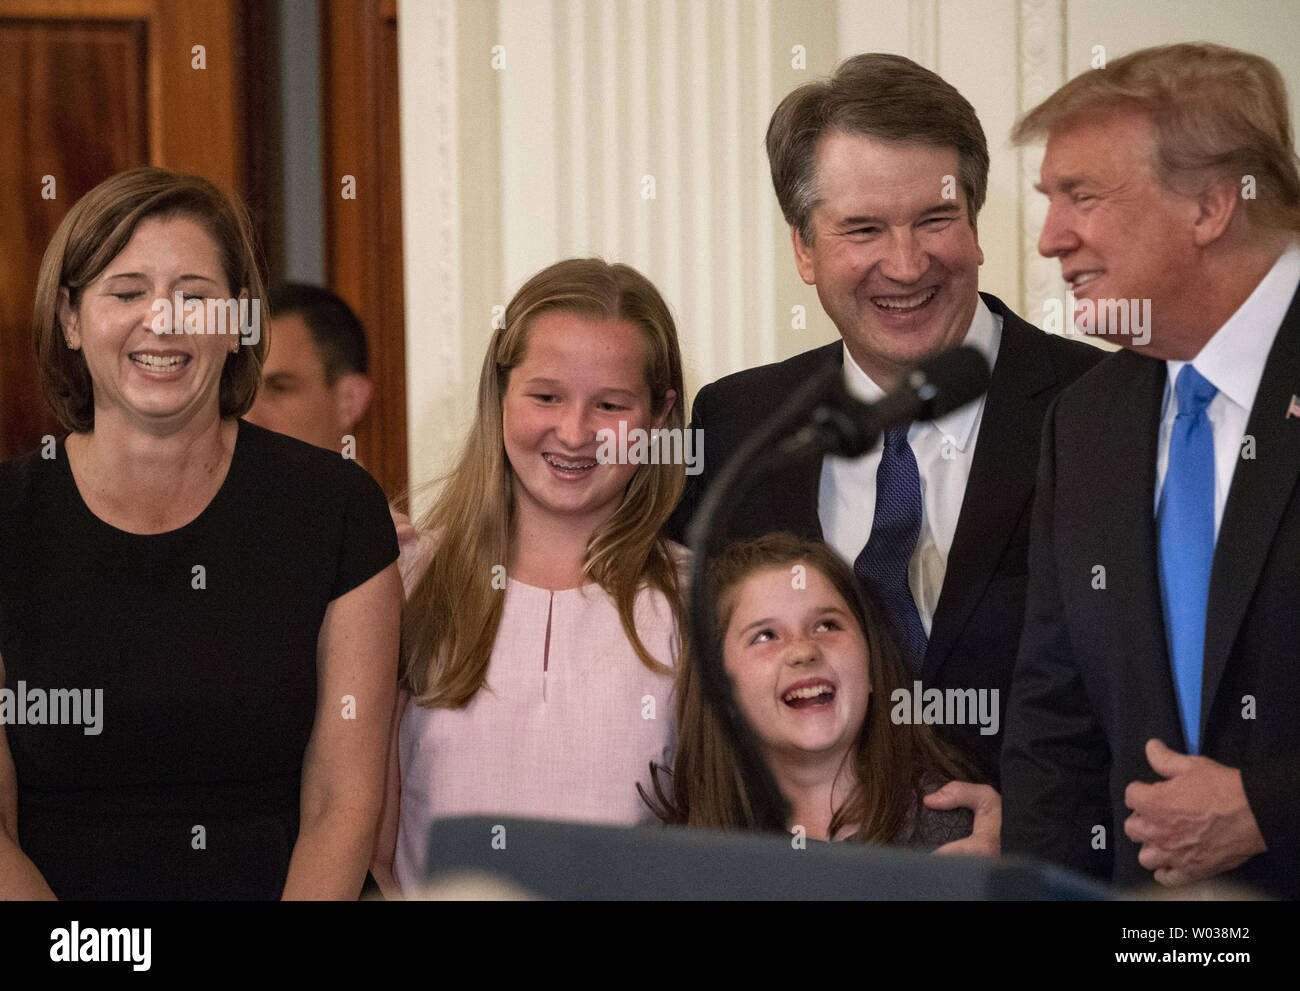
(427,80)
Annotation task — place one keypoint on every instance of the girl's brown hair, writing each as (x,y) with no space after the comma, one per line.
(888,762)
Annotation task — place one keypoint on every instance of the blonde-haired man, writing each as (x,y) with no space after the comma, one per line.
(1154,724)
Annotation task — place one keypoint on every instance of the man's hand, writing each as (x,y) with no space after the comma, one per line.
(986,834)
(1195,824)
(406,533)
(413,549)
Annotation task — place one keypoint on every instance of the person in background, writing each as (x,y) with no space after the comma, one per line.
(315,384)
(544,606)
(198,617)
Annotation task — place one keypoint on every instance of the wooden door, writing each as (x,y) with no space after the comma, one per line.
(89,88)
(363,230)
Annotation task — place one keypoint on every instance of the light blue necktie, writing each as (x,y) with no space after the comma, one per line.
(1186,524)
(882,564)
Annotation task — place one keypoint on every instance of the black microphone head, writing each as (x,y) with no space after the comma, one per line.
(948,380)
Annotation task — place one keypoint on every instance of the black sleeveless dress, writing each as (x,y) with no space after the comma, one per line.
(161,689)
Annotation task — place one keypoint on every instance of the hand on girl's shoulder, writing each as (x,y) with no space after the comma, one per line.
(975,813)
(406,533)
(415,548)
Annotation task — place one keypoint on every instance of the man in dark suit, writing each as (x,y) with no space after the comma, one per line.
(1154,727)
(880,172)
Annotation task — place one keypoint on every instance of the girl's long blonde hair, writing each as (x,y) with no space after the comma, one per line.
(451,617)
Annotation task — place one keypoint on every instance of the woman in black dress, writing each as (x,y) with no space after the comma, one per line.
(198,617)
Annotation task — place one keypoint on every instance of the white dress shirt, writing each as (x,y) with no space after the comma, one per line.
(1233,362)
(944,448)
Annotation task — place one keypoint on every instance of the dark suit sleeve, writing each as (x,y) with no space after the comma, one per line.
(1055,758)
(1273,792)
(675,528)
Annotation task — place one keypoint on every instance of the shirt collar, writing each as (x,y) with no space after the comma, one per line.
(1233,359)
(984,334)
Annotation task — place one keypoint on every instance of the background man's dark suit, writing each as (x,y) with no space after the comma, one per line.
(1093,681)
(977,622)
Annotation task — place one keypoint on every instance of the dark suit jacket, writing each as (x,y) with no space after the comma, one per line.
(977,621)
(1093,680)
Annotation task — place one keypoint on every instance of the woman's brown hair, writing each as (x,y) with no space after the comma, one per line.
(94,232)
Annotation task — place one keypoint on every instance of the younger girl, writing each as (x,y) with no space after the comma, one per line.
(543,605)
(814,672)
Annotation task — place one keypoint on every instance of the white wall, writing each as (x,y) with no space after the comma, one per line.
(508,169)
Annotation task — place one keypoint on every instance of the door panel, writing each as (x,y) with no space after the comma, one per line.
(88,89)
(363,236)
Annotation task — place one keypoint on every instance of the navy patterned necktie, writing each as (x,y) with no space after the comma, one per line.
(882,565)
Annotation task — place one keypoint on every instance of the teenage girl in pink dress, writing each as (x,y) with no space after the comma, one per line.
(543,605)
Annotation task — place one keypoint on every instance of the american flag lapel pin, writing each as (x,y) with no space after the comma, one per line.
(1294,408)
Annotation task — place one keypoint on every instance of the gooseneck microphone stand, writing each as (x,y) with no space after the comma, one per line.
(818,418)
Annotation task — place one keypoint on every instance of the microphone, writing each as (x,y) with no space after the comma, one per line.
(839,425)
(845,426)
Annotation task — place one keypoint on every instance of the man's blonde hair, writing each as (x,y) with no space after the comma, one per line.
(1218,113)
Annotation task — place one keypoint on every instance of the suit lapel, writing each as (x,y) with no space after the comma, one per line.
(1123,518)
(791,500)
(1261,489)
(1001,480)
(793,494)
